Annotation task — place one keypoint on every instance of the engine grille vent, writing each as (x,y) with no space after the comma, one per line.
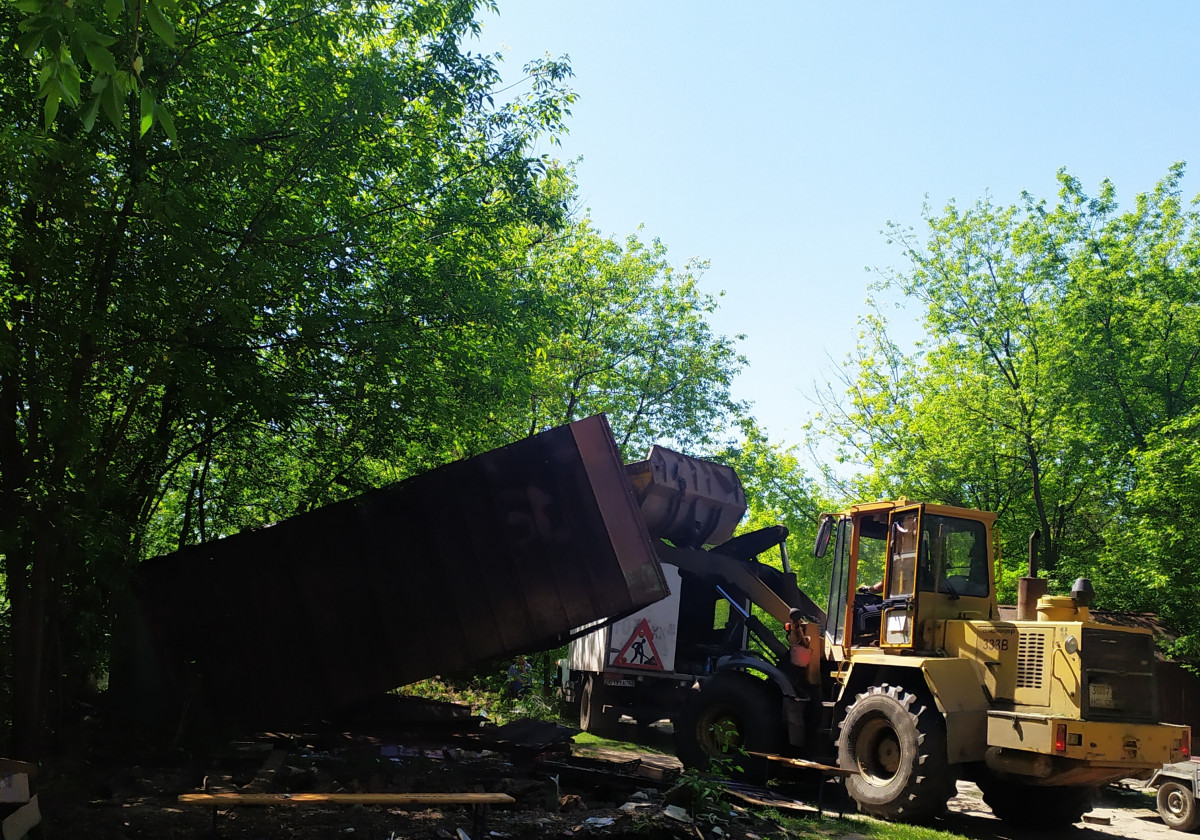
(1031,655)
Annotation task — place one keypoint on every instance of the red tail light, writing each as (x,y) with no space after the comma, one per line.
(1185,743)
(1060,738)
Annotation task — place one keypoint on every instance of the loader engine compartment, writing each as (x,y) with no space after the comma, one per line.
(1118,676)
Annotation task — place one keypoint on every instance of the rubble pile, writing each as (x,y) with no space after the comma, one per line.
(316,781)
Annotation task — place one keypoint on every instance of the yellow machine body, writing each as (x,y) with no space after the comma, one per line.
(1061,700)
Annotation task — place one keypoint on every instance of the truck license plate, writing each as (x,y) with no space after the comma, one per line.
(619,683)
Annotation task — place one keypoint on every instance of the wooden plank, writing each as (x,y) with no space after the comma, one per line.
(8,765)
(20,822)
(419,799)
(14,787)
(768,799)
(827,769)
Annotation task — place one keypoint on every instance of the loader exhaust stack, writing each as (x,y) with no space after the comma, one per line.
(1031,587)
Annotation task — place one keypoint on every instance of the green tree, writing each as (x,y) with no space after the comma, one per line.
(779,492)
(1149,561)
(300,271)
(628,335)
(1055,340)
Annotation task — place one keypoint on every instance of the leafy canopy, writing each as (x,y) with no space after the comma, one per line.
(1059,353)
(237,317)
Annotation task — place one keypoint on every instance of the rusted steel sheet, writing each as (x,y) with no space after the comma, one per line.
(499,554)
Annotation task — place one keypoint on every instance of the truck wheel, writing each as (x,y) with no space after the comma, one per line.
(1177,806)
(729,715)
(1036,806)
(591,708)
(896,744)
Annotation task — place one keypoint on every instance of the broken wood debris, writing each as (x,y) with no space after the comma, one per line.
(633,772)
(19,811)
(525,738)
(829,774)
(764,798)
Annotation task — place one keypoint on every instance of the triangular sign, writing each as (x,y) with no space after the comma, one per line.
(639,651)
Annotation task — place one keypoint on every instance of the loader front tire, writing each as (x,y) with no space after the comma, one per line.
(894,742)
(730,715)
(1036,806)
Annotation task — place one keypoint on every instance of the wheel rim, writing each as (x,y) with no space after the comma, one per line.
(1175,802)
(585,706)
(877,751)
(719,732)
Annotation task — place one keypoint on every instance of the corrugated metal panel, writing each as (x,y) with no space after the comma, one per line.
(498,554)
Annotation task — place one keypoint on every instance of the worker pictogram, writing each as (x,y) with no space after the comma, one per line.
(639,651)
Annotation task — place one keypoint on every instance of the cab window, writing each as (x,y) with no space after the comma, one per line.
(904,543)
(953,556)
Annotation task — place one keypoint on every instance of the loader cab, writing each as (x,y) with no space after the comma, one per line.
(896,566)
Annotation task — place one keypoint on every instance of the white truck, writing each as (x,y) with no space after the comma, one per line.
(643,667)
(628,668)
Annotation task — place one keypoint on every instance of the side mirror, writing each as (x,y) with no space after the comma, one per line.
(824,531)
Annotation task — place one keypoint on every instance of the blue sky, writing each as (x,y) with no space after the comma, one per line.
(777,139)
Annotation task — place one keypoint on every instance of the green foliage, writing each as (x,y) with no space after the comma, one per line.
(1149,561)
(1059,343)
(249,313)
(779,492)
(827,827)
(627,334)
(114,43)
(488,692)
(704,792)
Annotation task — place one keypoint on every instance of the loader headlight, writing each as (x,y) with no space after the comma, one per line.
(1071,644)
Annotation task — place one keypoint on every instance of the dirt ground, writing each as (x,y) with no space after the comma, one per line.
(560,792)
(1124,810)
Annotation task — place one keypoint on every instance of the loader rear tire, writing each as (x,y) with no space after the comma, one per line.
(894,741)
(730,715)
(1036,806)
(1177,806)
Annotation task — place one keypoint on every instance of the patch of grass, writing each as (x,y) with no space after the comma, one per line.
(592,741)
(815,827)
(486,697)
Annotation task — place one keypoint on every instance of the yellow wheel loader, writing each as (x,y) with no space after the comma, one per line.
(910,679)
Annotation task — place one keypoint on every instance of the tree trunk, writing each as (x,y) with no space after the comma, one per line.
(28,646)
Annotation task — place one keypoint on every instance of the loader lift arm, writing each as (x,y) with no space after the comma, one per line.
(778,597)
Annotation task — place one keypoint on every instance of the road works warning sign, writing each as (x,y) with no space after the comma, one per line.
(639,651)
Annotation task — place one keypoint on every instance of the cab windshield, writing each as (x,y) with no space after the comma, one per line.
(935,553)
